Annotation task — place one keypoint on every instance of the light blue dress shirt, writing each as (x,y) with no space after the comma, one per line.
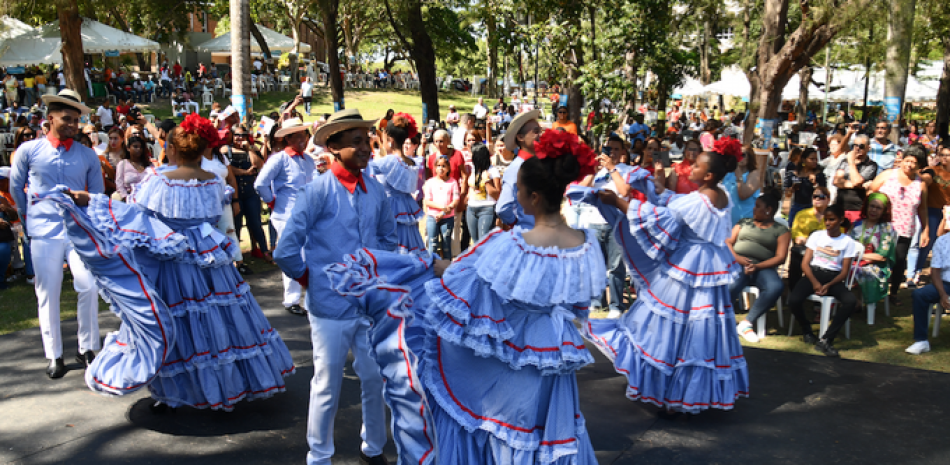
(280,179)
(507,207)
(41,167)
(328,222)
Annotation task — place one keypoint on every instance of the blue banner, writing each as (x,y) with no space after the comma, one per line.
(892,108)
(111,53)
(239,102)
(16,70)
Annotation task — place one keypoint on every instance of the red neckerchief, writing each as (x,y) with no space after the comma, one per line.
(346,178)
(292,152)
(68,143)
(524,154)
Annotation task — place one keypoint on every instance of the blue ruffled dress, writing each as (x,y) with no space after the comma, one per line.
(191,330)
(677,344)
(482,367)
(401,183)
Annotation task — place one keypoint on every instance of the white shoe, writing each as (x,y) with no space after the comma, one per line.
(918,348)
(745,330)
(614,314)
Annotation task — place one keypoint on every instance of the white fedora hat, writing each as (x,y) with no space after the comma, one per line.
(67,97)
(340,121)
(291,126)
(515,125)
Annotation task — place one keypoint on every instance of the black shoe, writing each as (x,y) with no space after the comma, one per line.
(296,310)
(809,339)
(378,460)
(56,369)
(86,358)
(243,269)
(827,349)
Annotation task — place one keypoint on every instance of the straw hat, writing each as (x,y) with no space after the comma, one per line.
(291,126)
(516,123)
(340,121)
(67,97)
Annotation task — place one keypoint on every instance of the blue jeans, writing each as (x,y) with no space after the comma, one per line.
(251,209)
(913,253)
(934,215)
(439,233)
(480,221)
(923,298)
(6,249)
(770,290)
(616,269)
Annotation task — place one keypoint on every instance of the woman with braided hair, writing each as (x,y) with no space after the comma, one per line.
(399,174)
(191,330)
(677,344)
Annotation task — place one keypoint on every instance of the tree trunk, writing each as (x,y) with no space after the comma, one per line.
(594,53)
(748,133)
(423,53)
(331,10)
(240,56)
(260,39)
(943,94)
(705,74)
(900,24)
(575,98)
(295,52)
(350,47)
(630,74)
(805,75)
(70,28)
(491,26)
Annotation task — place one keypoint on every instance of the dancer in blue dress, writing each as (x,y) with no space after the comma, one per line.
(677,345)
(400,174)
(191,330)
(480,363)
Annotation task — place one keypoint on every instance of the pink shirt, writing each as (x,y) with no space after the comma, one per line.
(440,192)
(904,203)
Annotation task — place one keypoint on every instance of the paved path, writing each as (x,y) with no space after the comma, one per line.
(804,410)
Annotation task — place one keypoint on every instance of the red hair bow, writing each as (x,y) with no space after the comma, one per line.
(411,128)
(195,124)
(553,144)
(730,147)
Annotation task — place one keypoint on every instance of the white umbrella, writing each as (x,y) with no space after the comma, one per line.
(43,44)
(690,87)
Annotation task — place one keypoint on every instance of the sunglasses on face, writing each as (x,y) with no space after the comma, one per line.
(861,146)
(819,197)
(240,134)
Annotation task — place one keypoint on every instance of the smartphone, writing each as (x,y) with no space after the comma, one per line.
(664,157)
(605,150)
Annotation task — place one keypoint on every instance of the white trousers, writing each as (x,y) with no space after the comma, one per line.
(292,289)
(48,258)
(332,340)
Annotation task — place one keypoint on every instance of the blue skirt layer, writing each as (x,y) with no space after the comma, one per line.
(191,330)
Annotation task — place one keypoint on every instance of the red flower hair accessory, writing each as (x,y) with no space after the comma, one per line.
(195,124)
(730,147)
(553,144)
(411,127)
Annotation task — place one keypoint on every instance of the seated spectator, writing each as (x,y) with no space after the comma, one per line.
(933,293)
(806,222)
(826,264)
(760,245)
(877,237)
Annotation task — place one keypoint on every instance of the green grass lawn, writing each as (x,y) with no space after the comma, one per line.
(372,103)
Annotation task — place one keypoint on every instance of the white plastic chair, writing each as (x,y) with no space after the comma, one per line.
(828,301)
(749,295)
(937,312)
(207,99)
(219,86)
(873,306)
(268,84)
(150,118)
(285,83)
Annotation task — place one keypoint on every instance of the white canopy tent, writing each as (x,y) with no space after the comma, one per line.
(915,91)
(689,88)
(12,27)
(42,45)
(276,41)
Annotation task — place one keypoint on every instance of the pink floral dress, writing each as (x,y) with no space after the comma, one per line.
(904,203)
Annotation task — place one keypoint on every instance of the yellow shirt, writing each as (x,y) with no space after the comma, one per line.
(29,82)
(806,223)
